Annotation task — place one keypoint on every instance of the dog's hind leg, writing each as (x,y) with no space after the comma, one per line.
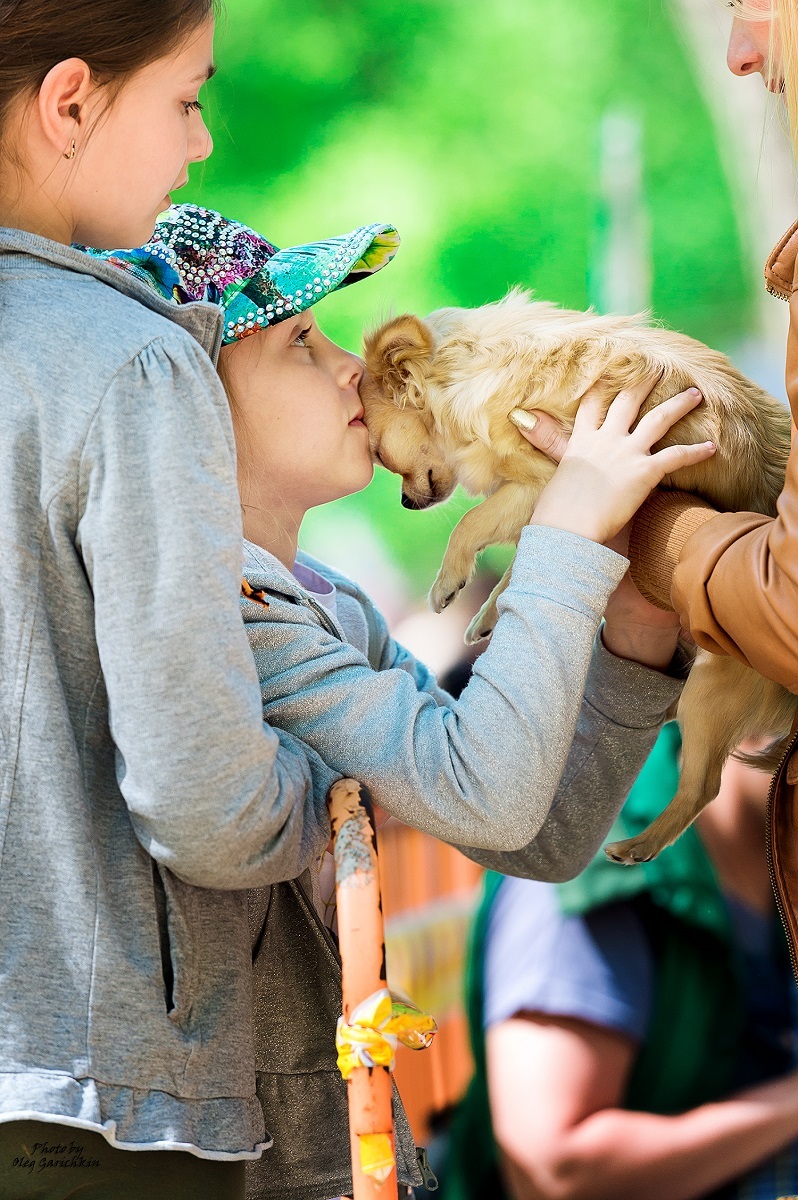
(499,518)
(715,715)
(484,622)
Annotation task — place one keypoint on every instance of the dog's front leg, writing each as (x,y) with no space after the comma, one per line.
(499,518)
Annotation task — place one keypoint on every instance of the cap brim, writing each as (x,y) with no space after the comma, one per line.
(296,278)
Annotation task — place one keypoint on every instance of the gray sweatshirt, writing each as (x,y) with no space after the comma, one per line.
(372,710)
(529,768)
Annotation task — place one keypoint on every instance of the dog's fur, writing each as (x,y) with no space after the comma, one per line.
(438,395)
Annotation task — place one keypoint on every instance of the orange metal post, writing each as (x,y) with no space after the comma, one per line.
(362,945)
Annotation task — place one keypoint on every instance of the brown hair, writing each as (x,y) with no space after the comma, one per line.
(115,38)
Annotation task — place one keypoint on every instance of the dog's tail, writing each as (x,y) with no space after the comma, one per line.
(768,758)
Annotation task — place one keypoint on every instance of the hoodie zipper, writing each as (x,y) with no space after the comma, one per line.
(775,882)
(297,597)
(427,1173)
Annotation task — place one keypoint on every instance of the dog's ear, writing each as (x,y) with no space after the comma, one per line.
(398,356)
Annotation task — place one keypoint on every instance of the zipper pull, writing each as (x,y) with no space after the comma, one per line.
(427,1174)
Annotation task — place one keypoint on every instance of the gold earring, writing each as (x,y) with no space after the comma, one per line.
(71,154)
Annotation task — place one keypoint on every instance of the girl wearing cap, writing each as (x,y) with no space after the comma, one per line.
(483,771)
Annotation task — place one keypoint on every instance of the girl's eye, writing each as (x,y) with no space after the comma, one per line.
(301,338)
(193,106)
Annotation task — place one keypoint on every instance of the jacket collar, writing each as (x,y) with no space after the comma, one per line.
(780,267)
(19,248)
(265,572)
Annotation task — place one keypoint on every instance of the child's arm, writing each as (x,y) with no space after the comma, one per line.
(482,771)
(621,715)
(622,712)
(213,793)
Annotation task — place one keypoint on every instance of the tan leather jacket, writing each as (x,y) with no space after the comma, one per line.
(733,579)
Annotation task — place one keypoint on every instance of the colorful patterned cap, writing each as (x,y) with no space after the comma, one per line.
(197,254)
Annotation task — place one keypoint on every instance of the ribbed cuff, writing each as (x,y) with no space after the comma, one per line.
(659,531)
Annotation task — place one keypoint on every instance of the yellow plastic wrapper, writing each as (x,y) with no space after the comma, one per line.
(376,1027)
(376,1156)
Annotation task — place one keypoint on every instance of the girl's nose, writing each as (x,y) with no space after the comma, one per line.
(352,369)
(201,143)
(742,57)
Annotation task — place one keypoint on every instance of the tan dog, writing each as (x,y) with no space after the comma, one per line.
(439,397)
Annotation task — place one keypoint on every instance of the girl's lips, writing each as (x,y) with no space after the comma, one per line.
(357,423)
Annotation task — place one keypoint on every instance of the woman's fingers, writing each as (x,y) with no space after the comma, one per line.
(541,431)
(656,423)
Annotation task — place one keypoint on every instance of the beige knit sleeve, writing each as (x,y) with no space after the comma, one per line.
(659,531)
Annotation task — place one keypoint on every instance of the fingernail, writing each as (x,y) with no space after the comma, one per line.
(693,392)
(523,419)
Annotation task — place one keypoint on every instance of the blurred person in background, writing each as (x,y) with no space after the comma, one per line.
(634,1029)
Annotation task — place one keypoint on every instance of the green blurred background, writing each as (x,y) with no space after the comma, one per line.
(475,129)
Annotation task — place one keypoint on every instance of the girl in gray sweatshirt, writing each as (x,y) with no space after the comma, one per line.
(525,772)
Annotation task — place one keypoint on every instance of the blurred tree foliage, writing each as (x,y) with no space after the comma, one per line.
(473,128)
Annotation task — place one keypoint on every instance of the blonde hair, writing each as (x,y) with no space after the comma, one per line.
(784,39)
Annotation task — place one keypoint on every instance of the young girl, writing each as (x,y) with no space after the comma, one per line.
(484,770)
(136,772)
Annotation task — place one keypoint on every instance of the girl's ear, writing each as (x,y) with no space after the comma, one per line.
(63,92)
(398,358)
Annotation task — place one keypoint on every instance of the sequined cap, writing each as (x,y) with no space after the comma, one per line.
(197,254)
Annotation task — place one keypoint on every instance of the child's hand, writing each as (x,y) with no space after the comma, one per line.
(633,628)
(608,469)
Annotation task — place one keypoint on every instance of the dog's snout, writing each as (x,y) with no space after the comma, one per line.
(412,503)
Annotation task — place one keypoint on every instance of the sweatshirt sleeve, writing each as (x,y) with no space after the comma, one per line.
(622,712)
(213,793)
(483,770)
(731,577)
(619,720)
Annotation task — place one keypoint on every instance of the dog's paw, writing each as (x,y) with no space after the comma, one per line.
(482,625)
(632,851)
(443,591)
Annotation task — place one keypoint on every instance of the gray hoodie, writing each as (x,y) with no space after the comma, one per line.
(529,768)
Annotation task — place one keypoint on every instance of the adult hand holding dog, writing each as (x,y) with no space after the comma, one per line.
(606,471)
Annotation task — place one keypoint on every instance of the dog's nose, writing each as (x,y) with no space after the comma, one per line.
(409,502)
